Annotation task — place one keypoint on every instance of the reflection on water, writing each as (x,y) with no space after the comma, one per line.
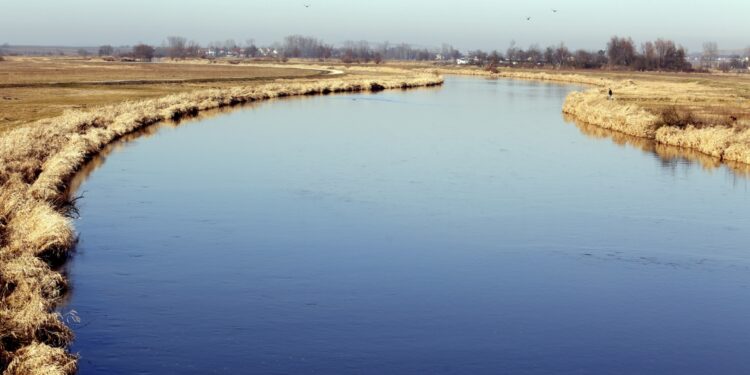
(127,140)
(463,229)
(671,157)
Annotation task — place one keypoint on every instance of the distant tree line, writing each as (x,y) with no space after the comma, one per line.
(658,55)
(620,53)
(293,46)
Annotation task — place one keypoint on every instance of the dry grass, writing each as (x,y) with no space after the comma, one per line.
(37,162)
(35,88)
(30,71)
(712,119)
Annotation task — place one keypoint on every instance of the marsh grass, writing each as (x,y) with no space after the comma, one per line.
(37,163)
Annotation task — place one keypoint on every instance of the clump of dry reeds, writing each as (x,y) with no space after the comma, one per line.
(671,116)
(37,162)
(639,111)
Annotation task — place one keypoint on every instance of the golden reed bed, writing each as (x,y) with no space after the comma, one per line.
(725,137)
(36,232)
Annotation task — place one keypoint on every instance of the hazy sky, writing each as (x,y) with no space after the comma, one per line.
(466,24)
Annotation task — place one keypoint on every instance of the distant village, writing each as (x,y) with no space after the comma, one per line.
(620,53)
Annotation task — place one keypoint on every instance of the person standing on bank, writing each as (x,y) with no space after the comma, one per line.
(610,94)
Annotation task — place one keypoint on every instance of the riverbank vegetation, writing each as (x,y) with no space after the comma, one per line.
(709,113)
(700,115)
(37,162)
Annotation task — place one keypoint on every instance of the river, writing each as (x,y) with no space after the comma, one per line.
(462,229)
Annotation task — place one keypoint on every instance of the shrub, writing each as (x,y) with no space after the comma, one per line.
(143,52)
(671,116)
(346,59)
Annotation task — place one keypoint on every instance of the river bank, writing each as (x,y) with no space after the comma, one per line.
(708,113)
(35,215)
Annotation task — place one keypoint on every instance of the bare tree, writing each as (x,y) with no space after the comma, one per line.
(478,57)
(512,52)
(192,49)
(358,50)
(230,44)
(621,51)
(710,53)
(562,54)
(588,60)
(448,52)
(669,56)
(662,48)
(534,54)
(106,50)
(649,59)
(493,59)
(176,47)
(251,50)
(82,52)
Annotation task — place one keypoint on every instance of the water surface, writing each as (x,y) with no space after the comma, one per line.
(462,229)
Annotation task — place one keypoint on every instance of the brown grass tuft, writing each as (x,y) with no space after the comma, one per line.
(671,116)
(41,359)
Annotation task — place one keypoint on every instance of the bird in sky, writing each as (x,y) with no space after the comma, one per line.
(554,10)
(307,5)
(528,18)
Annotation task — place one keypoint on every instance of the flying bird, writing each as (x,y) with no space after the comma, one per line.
(307,5)
(554,10)
(528,18)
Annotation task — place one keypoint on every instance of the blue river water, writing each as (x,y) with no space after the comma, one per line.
(463,229)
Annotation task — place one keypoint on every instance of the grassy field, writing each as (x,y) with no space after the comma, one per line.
(35,88)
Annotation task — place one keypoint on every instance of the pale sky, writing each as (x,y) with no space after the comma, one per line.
(467,24)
